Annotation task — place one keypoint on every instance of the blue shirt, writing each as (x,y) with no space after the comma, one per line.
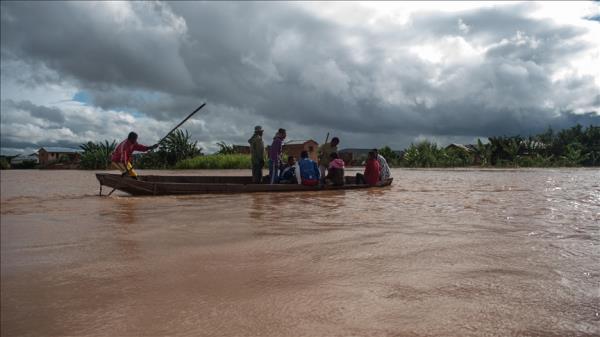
(308,169)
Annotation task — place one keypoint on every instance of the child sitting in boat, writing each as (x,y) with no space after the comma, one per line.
(288,172)
(335,172)
(372,171)
(308,171)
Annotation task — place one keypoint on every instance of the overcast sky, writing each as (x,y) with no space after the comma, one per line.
(371,73)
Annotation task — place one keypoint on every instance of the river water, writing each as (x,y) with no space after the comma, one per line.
(440,253)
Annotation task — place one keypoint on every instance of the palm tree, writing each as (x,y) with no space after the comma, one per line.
(179,146)
(574,155)
(96,156)
(512,147)
(484,151)
(224,148)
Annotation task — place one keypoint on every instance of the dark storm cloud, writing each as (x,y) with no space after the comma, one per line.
(97,46)
(50,114)
(278,64)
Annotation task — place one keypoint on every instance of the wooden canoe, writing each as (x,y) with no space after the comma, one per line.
(169,185)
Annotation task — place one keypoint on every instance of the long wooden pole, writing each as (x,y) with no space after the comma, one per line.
(183,121)
(160,141)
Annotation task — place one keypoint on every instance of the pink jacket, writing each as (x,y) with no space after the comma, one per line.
(336,163)
(124,150)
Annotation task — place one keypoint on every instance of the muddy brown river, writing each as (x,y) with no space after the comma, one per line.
(440,253)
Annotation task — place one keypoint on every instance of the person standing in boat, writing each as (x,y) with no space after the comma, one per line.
(372,169)
(384,168)
(307,171)
(275,156)
(325,152)
(257,151)
(121,157)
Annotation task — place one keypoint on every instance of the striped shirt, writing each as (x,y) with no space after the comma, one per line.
(384,169)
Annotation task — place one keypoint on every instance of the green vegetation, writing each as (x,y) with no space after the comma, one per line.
(174,149)
(4,164)
(96,156)
(576,146)
(392,157)
(224,148)
(569,147)
(428,154)
(26,165)
(216,161)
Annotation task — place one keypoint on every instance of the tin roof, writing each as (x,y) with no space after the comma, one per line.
(467,147)
(60,149)
(299,142)
(21,158)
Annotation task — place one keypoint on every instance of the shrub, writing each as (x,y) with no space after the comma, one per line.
(25,165)
(423,154)
(217,161)
(390,156)
(175,148)
(4,164)
(96,156)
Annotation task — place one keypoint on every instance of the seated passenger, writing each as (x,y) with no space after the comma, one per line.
(371,176)
(288,172)
(384,168)
(335,172)
(309,171)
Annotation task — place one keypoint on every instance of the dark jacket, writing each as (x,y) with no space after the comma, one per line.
(276,148)
(336,176)
(257,149)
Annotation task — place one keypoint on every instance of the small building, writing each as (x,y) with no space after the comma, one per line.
(354,157)
(295,147)
(467,148)
(54,155)
(21,158)
(242,149)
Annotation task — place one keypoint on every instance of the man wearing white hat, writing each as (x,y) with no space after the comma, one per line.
(257,150)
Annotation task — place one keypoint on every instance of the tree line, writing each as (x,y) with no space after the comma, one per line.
(575,146)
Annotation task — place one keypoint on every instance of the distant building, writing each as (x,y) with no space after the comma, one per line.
(295,147)
(243,149)
(469,148)
(20,159)
(58,155)
(354,157)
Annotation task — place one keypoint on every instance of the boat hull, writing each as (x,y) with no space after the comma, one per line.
(176,185)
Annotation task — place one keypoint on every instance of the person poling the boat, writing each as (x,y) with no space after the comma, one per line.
(308,171)
(372,169)
(257,153)
(121,157)
(325,151)
(275,156)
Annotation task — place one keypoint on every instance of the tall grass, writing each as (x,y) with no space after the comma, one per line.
(217,161)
